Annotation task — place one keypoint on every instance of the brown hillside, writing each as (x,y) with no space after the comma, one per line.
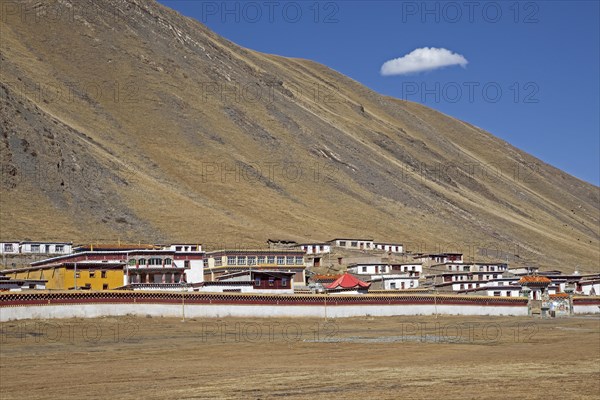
(124,119)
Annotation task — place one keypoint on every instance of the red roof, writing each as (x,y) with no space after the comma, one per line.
(534,279)
(347,281)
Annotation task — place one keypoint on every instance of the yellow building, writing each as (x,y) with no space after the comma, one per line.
(83,275)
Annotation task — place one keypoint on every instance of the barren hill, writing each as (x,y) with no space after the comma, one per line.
(123,119)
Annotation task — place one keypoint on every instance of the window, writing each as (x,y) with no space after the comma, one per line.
(241,260)
(142,261)
(193,248)
(105,286)
(131,261)
(186,264)
(35,248)
(261,260)
(251,260)
(59,248)
(218,261)
(392,285)
(290,260)
(103,274)
(155,261)
(271,282)
(92,274)
(168,261)
(507,293)
(412,283)
(230,260)
(8,247)
(177,248)
(342,243)
(496,293)
(353,244)
(280,260)
(284,282)
(257,282)
(299,260)
(364,269)
(77,274)
(271,260)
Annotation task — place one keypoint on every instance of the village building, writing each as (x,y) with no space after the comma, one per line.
(314,253)
(251,281)
(588,287)
(389,247)
(28,247)
(46,247)
(430,259)
(80,248)
(495,291)
(184,247)
(65,275)
(102,270)
(393,282)
(410,269)
(347,284)
(17,285)
(10,247)
(530,270)
(314,248)
(353,244)
(223,262)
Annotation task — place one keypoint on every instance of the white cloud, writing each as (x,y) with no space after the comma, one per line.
(423,59)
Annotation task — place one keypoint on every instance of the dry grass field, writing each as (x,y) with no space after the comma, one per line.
(383,358)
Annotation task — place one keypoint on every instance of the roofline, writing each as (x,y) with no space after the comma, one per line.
(284,251)
(363,240)
(88,252)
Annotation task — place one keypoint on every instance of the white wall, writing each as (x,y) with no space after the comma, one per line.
(196,272)
(586,309)
(15,248)
(586,289)
(223,310)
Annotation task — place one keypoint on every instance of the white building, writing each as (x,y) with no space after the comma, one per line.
(589,287)
(410,269)
(439,258)
(184,247)
(368,269)
(355,244)
(495,291)
(315,248)
(45,248)
(393,282)
(9,247)
(389,247)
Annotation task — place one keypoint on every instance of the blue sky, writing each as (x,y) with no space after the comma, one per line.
(532,71)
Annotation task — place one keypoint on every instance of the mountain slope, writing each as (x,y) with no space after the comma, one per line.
(123,119)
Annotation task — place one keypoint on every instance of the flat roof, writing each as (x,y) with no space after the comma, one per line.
(363,240)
